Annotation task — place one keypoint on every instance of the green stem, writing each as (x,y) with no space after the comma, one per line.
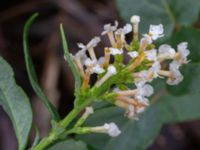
(66,121)
(46,142)
(54,135)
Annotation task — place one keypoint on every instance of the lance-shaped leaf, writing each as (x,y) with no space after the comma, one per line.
(70,61)
(31,71)
(16,104)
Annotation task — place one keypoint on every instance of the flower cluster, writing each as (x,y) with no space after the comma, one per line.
(145,63)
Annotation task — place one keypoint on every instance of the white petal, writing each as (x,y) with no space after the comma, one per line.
(147,90)
(182,49)
(144,75)
(174,65)
(81,56)
(112,129)
(127,28)
(182,45)
(167,50)
(97,69)
(115,51)
(176,79)
(133,54)
(112,70)
(151,55)
(156,67)
(93,42)
(109,28)
(146,38)
(89,62)
(135,19)
(156,31)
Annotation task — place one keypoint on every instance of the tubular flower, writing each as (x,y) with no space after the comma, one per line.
(144,64)
(109,128)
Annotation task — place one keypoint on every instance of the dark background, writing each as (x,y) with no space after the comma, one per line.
(82,20)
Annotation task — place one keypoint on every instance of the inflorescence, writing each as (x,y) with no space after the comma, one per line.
(145,64)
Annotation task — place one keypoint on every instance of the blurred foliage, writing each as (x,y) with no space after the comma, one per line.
(172,14)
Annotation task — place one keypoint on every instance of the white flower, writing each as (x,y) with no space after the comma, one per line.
(144,75)
(135,19)
(151,55)
(144,90)
(183,52)
(123,31)
(111,70)
(155,69)
(108,28)
(133,54)
(175,78)
(148,75)
(109,128)
(146,38)
(93,42)
(127,28)
(81,56)
(97,69)
(112,129)
(166,52)
(156,31)
(89,62)
(174,65)
(115,51)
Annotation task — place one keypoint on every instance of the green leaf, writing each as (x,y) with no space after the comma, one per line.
(70,62)
(140,134)
(31,71)
(16,104)
(69,145)
(170,13)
